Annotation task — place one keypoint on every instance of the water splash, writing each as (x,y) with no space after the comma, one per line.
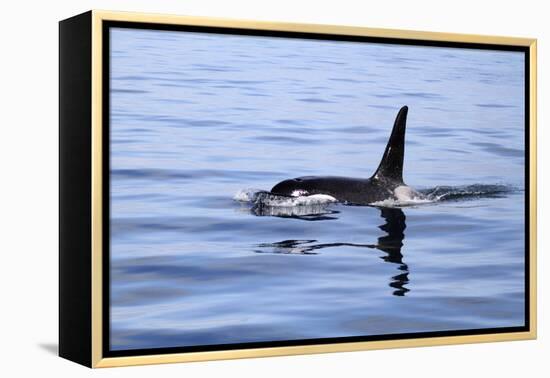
(264,203)
(449,193)
(275,200)
(468,192)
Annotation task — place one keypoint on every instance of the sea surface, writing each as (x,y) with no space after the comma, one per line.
(203,124)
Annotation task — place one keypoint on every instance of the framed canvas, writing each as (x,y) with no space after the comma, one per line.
(236,189)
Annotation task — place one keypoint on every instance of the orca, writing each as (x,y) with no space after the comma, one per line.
(385,184)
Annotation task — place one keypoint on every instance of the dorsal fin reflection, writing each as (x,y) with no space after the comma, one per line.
(391,244)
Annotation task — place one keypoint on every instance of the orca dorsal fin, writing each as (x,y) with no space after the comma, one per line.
(391,165)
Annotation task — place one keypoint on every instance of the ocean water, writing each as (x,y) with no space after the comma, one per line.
(202,125)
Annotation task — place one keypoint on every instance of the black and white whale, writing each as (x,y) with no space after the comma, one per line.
(385,184)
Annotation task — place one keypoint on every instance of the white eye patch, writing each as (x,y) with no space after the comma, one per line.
(299,192)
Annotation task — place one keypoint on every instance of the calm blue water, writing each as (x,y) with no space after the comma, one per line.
(197,118)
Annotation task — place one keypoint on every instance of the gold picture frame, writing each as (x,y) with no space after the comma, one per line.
(82,319)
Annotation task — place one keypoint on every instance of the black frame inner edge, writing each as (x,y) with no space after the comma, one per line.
(107,25)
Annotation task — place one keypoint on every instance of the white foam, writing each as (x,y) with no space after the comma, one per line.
(273,200)
(246,195)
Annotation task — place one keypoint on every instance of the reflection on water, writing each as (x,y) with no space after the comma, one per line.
(307,213)
(391,243)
